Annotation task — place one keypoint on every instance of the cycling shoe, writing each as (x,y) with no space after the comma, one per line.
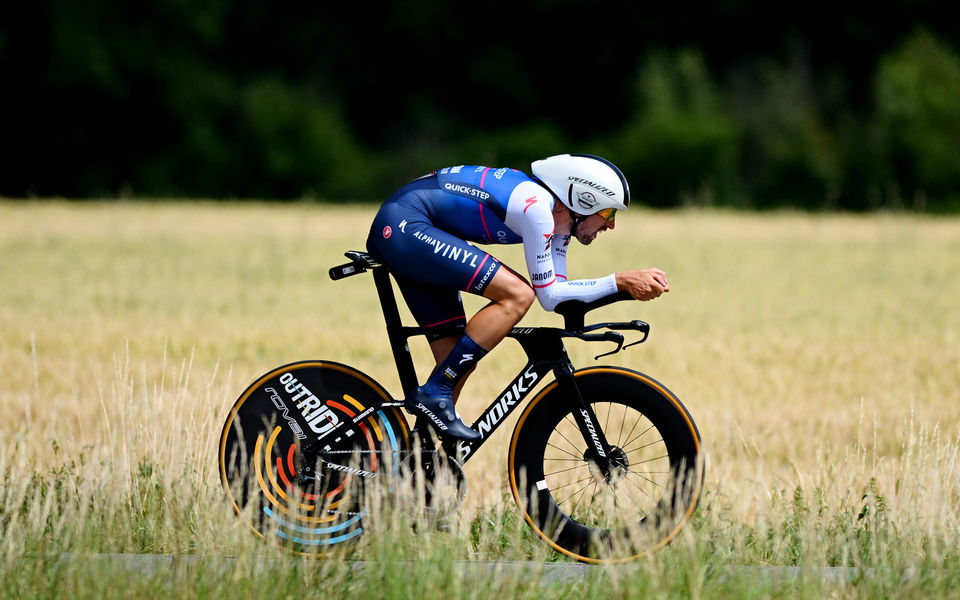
(441,414)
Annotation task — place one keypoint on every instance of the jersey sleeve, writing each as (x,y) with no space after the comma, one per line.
(529,215)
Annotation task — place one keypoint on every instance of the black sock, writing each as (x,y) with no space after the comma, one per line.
(451,370)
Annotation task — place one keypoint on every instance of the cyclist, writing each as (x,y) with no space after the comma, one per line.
(423,232)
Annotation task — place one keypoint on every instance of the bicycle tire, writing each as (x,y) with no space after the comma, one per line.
(261,456)
(644,501)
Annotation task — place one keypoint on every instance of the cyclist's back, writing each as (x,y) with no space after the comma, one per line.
(470,202)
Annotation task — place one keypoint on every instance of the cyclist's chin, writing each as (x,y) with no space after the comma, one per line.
(586,238)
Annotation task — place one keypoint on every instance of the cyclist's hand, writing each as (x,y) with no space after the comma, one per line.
(643,285)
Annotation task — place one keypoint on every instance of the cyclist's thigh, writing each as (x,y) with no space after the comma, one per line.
(436,308)
(414,248)
(430,265)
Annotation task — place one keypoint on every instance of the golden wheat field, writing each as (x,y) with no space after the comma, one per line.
(818,354)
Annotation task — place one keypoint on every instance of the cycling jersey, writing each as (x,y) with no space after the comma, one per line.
(422,232)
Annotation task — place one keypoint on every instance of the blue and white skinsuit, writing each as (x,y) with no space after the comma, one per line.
(422,232)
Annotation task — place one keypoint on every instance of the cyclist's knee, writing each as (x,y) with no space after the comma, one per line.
(527,296)
(512,292)
(519,297)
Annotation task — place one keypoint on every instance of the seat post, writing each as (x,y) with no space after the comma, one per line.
(398,340)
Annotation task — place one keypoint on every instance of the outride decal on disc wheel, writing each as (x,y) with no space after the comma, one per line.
(299,448)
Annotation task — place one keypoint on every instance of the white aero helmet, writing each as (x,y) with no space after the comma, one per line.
(587,184)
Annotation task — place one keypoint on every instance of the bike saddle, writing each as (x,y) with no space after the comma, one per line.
(359,262)
(362,258)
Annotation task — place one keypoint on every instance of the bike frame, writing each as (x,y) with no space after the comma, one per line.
(545,353)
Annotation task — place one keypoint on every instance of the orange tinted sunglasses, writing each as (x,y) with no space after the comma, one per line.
(608,213)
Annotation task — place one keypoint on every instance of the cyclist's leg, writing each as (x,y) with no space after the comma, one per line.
(441,348)
(441,312)
(430,265)
(511,297)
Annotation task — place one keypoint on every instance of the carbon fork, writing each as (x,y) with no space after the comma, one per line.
(598,448)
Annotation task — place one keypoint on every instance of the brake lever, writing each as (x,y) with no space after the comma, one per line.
(611,336)
(642,327)
(636,325)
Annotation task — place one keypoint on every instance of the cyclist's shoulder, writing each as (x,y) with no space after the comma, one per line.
(530,201)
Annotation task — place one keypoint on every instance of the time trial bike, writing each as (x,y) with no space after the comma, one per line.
(604,462)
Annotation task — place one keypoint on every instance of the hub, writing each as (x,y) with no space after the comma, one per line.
(608,470)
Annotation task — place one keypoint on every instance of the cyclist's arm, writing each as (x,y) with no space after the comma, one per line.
(529,214)
(559,250)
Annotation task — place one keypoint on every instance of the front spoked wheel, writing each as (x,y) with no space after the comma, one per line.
(607,508)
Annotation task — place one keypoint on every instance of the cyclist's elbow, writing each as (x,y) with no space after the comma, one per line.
(547,300)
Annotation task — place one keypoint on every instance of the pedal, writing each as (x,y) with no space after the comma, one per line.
(306,476)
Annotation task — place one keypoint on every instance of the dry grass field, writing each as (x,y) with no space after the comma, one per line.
(819,355)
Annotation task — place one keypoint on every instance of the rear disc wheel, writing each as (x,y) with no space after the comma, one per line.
(300,448)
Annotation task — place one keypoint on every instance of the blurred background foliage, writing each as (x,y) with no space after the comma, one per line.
(731,103)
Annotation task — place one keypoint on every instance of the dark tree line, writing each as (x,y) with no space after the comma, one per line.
(737,102)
